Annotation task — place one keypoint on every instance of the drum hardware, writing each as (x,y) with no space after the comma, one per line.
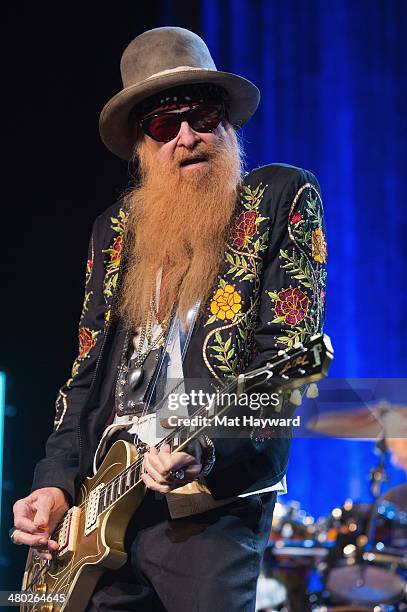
(372,422)
(395,561)
(359,551)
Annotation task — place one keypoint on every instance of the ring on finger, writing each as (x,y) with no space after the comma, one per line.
(11,534)
(176,475)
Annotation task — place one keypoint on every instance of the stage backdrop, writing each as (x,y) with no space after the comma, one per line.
(333,81)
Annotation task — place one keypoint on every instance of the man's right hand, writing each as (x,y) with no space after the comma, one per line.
(35,518)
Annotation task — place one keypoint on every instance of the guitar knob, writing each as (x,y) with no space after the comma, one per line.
(312,391)
(295,398)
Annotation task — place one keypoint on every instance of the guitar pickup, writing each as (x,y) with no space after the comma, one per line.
(68,532)
(92,509)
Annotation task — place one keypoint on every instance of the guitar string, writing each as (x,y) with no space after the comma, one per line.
(173,435)
(167,440)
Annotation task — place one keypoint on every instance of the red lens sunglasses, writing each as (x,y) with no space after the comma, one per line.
(163,127)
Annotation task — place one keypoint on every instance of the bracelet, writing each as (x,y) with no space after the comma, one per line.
(208,455)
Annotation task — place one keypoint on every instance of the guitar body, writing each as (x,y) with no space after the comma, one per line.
(76,567)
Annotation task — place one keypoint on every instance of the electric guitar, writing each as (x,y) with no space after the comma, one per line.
(91,533)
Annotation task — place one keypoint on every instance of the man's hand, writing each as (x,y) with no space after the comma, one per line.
(157,466)
(35,518)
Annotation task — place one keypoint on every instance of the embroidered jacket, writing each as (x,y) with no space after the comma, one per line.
(270,294)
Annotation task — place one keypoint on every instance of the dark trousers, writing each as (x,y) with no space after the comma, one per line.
(208,562)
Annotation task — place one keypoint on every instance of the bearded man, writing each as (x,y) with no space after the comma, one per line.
(200,272)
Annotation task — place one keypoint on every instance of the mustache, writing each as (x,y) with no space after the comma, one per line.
(201,152)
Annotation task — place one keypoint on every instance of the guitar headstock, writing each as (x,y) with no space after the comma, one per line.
(303,363)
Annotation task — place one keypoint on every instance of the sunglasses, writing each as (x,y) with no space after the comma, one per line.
(163,127)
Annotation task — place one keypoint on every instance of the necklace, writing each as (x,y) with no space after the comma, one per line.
(135,371)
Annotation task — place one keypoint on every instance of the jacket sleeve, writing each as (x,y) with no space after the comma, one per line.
(60,465)
(292,309)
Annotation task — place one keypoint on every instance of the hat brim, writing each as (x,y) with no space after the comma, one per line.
(114,125)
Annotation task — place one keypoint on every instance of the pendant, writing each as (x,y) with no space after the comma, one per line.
(136,376)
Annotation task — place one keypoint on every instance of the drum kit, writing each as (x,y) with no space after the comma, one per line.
(353,560)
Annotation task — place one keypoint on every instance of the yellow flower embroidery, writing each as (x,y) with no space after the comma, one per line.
(107,315)
(318,245)
(226,303)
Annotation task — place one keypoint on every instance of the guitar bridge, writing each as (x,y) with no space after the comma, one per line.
(68,532)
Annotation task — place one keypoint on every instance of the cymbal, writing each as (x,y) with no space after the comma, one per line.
(370,422)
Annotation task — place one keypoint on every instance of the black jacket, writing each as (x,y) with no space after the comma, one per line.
(273,275)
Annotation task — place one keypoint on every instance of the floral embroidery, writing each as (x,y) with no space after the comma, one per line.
(89,268)
(114,253)
(302,308)
(89,264)
(311,217)
(88,337)
(247,223)
(318,245)
(60,411)
(85,305)
(225,354)
(296,218)
(291,306)
(87,340)
(229,356)
(225,303)
(245,228)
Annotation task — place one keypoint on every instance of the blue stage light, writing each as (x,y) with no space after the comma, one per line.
(2,416)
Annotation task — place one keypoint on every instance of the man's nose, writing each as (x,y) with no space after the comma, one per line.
(187,137)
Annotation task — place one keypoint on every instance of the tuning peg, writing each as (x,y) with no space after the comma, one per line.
(312,391)
(295,398)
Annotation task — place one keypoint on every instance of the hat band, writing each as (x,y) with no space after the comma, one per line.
(177,69)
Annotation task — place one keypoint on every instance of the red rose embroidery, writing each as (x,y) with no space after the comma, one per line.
(296,218)
(245,228)
(89,267)
(292,304)
(116,249)
(87,340)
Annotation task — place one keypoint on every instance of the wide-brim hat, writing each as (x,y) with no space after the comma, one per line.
(161,59)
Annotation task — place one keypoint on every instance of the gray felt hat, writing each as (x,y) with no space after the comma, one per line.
(160,59)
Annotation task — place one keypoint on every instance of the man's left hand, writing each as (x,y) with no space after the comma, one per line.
(157,466)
